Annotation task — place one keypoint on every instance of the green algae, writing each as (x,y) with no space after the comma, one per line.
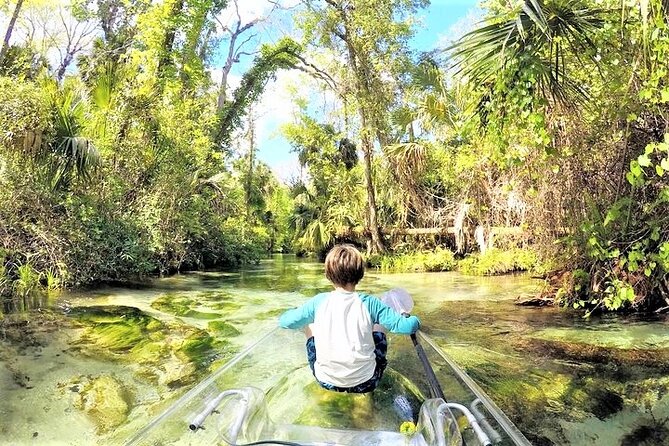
(226,306)
(118,330)
(336,409)
(215,296)
(595,354)
(272,314)
(364,411)
(181,305)
(201,349)
(639,337)
(221,328)
(173,354)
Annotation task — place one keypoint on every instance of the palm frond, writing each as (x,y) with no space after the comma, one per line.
(539,31)
(69,155)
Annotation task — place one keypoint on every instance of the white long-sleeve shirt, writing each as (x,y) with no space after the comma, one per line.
(342,328)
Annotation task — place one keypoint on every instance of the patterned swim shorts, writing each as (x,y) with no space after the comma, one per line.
(380,350)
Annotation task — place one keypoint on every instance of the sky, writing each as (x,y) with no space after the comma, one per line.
(442,22)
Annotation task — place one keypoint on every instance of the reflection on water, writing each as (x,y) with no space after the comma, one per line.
(560,378)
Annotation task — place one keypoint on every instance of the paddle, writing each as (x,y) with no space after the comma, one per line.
(400,300)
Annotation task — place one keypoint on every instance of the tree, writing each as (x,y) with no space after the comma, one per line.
(284,54)
(235,48)
(372,36)
(78,36)
(10,29)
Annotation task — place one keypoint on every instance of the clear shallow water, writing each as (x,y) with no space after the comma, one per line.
(88,370)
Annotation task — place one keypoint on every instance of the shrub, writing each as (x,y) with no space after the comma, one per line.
(420,261)
(495,261)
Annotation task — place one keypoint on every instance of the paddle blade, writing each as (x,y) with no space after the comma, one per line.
(398,299)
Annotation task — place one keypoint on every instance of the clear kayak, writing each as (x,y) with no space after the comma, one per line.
(267,395)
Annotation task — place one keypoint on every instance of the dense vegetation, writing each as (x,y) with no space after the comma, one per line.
(125,158)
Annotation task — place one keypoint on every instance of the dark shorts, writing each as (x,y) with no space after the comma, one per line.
(380,350)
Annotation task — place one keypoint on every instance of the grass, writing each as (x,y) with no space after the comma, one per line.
(496,261)
(419,261)
(493,262)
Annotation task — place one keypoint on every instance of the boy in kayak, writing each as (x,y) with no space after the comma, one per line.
(346,341)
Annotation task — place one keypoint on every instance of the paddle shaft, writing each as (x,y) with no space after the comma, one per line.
(435,387)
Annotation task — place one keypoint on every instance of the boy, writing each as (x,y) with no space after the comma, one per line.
(346,348)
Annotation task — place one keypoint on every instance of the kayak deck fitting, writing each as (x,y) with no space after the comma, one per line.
(266,394)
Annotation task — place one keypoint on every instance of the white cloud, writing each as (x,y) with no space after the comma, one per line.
(287,170)
(465,24)
(251,9)
(276,107)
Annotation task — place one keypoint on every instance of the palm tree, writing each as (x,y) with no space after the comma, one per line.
(67,155)
(536,37)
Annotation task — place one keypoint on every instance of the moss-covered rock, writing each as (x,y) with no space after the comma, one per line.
(222,329)
(125,333)
(589,353)
(104,399)
(201,349)
(271,314)
(181,305)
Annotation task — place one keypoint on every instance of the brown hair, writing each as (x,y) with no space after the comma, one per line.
(344,265)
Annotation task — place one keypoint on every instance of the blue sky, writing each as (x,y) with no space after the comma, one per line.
(443,21)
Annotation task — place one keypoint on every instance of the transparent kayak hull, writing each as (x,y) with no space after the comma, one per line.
(267,392)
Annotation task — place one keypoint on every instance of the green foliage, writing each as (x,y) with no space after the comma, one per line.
(23,113)
(23,62)
(112,174)
(328,208)
(69,154)
(496,261)
(439,259)
(535,38)
(27,281)
(624,246)
(272,58)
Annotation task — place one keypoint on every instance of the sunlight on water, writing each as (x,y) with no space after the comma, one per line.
(95,366)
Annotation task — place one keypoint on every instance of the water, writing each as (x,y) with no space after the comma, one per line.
(91,367)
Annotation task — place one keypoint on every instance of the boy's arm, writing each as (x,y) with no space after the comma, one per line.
(389,318)
(300,316)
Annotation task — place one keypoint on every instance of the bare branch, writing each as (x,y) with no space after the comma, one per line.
(223,27)
(241,45)
(239,18)
(314,71)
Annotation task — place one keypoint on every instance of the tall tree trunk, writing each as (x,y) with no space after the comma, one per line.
(364,94)
(10,29)
(170,35)
(377,242)
(67,60)
(249,176)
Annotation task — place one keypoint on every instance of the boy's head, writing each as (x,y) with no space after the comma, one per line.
(344,265)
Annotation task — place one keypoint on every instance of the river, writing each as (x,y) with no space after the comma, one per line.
(90,367)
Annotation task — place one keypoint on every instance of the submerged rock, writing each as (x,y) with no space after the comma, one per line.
(125,333)
(221,328)
(201,349)
(172,354)
(582,352)
(603,402)
(653,433)
(104,399)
